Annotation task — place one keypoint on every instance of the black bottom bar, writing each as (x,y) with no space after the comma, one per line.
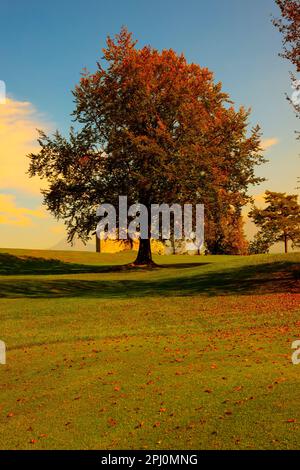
(147,459)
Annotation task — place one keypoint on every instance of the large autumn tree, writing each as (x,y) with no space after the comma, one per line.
(278,221)
(289,25)
(155,129)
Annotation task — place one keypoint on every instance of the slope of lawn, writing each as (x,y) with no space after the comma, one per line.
(195,353)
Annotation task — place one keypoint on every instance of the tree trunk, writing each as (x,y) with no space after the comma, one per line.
(285,244)
(144,256)
(98,244)
(173,245)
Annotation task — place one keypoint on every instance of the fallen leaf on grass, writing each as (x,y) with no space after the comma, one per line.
(112,421)
(280,380)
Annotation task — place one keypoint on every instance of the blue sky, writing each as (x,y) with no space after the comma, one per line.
(45,45)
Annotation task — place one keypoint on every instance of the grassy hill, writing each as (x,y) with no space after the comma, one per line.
(195,353)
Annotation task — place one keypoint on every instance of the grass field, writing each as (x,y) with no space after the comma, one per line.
(194,354)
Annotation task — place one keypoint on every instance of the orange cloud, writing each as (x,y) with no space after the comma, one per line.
(268,143)
(11,214)
(18,137)
(21,226)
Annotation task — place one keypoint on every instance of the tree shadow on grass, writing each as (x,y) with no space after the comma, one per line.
(29,265)
(14,265)
(277,277)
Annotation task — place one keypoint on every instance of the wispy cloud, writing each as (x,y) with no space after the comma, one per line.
(18,123)
(23,220)
(11,214)
(268,143)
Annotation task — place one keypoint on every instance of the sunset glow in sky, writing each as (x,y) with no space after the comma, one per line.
(45,45)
